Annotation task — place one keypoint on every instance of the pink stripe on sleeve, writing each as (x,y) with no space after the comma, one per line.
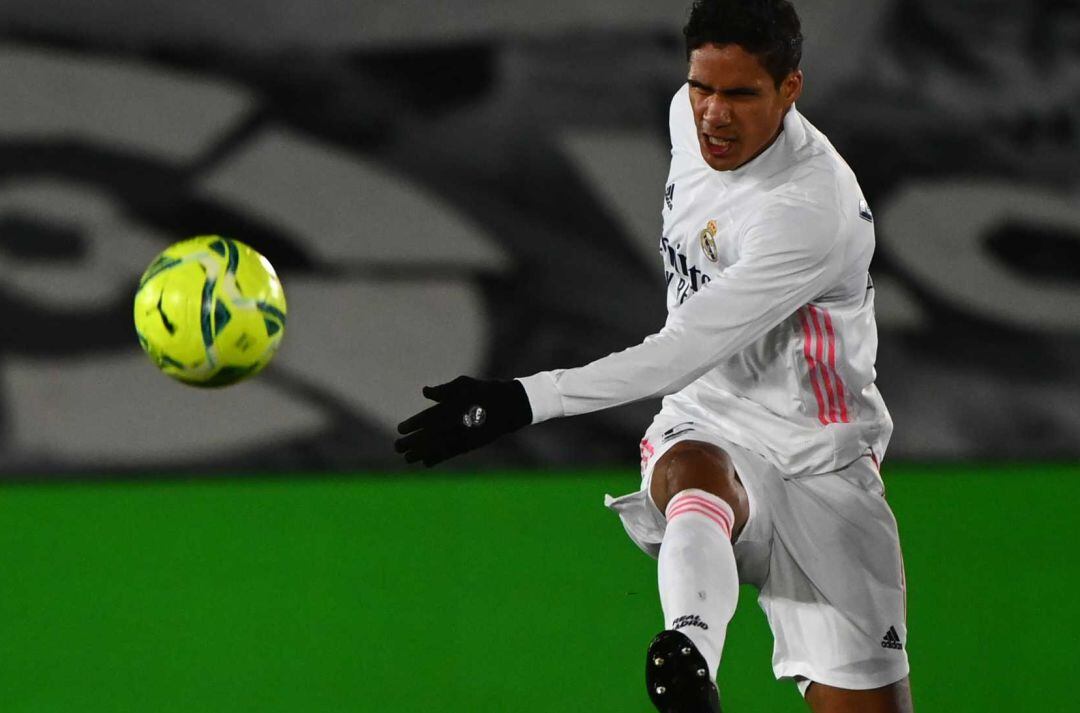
(812,368)
(819,333)
(832,365)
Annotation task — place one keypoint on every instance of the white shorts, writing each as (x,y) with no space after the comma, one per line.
(822,550)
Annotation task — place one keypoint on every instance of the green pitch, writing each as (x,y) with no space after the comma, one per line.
(506,592)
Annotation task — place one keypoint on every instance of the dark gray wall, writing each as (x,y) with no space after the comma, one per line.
(475,188)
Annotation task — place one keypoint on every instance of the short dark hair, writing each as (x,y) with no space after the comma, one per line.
(767,29)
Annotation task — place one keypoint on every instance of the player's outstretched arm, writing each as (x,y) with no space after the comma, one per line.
(468,413)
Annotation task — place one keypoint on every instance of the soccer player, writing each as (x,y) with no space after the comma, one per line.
(762,464)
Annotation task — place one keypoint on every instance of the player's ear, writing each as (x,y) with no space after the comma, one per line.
(791,87)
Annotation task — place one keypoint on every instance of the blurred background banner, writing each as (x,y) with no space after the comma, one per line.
(475,187)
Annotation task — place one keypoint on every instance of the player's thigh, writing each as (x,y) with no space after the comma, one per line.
(894,698)
(704,466)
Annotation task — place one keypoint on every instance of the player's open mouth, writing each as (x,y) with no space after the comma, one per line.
(718,146)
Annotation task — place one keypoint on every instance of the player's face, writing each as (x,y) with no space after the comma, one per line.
(738,109)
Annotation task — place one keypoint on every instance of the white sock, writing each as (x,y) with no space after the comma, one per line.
(699,584)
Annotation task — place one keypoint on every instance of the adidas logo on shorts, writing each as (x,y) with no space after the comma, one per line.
(891,640)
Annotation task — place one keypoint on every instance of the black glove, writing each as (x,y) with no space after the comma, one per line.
(470,413)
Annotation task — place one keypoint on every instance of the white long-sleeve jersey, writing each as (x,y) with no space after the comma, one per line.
(770,335)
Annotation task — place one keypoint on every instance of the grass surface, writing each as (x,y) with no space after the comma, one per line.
(506,592)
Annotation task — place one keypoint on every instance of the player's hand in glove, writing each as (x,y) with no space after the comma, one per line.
(469,413)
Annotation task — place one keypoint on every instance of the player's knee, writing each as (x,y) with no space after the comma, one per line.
(704,466)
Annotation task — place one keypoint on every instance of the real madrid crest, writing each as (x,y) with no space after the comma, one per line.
(708,242)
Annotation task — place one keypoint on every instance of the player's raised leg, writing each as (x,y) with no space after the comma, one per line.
(894,698)
(695,485)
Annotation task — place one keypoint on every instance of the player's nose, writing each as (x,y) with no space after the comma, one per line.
(717,111)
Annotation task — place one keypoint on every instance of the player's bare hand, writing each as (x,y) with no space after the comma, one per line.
(468,413)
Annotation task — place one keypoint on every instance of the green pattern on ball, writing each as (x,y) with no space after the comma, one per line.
(210,311)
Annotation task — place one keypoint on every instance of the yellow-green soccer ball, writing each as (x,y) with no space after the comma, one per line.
(210,311)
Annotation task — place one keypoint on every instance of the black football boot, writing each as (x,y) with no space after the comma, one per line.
(677,676)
